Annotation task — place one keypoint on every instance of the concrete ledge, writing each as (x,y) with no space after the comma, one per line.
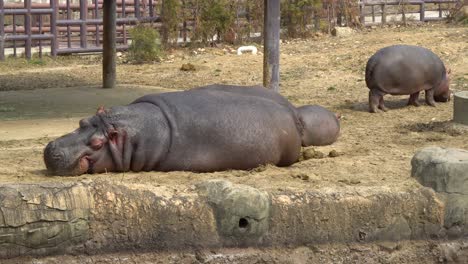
(445,171)
(91,217)
(460,107)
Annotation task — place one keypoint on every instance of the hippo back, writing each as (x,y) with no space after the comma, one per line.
(404,69)
(227,127)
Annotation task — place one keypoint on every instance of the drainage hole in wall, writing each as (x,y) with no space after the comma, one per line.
(243,223)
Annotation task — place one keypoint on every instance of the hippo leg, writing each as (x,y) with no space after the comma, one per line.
(382,105)
(430,97)
(413,100)
(376,101)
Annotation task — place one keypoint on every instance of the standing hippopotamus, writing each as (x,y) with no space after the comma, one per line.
(405,69)
(211,128)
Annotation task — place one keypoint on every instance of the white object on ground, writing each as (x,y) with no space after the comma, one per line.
(242,49)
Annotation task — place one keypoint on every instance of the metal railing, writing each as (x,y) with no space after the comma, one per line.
(384,4)
(76,26)
(64,26)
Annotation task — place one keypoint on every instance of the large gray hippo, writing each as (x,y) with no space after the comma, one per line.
(211,128)
(406,69)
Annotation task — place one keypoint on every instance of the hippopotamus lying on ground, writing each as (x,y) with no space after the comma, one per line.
(211,128)
(405,69)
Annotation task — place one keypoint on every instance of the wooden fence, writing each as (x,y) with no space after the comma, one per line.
(74,26)
(66,26)
(402,8)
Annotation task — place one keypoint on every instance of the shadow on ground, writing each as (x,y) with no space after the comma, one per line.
(66,102)
(445,127)
(364,106)
(44,80)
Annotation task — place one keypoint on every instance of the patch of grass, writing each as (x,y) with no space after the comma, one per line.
(146,45)
(37,61)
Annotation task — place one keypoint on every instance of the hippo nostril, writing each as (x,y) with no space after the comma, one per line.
(53,157)
(57,156)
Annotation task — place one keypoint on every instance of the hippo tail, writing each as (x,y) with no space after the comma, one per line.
(320,126)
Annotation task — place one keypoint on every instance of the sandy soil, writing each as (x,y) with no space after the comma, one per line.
(40,101)
(356,253)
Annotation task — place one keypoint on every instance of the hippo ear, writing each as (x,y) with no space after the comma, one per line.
(100,110)
(112,135)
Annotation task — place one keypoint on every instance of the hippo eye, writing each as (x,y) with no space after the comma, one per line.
(96,143)
(84,123)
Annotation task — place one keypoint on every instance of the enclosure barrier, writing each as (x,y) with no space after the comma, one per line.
(74,26)
(384,4)
(90,217)
(460,107)
(67,27)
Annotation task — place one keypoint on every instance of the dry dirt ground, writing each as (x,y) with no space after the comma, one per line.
(41,100)
(421,252)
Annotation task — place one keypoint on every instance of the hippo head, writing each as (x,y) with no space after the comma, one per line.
(92,148)
(442,93)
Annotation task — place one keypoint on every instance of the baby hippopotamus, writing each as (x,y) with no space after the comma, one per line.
(406,69)
(211,128)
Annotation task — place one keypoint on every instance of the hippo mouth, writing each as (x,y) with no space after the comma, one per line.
(441,99)
(86,165)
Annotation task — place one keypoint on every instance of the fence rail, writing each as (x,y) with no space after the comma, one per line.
(64,26)
(74,26)
(383,4)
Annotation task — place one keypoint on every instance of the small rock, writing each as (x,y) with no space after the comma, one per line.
(359,248)
(354,181)
(442,169)
(333,154)
(312,154)
(187,67)
(342,31)
(301,176)
(389,246)
(449,252)
(350,182)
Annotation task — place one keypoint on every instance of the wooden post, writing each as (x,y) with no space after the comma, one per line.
(373,13)
(137,8)
(2,31)
(362,17)
(27,29)
(440,10)
(53,28)
(422,10)
(384,15)
(271,38)
(316,20)
(109,51)
(403,12)
(83,26)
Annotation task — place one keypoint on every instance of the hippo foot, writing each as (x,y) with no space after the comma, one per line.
(414,103)
(383,108)
(373,110)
